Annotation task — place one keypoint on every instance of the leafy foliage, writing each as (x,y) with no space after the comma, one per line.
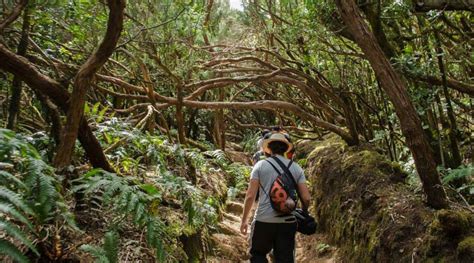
(131,199)
(108,253)
(464,173)
(30,197)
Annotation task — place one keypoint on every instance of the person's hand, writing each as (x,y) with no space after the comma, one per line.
(243,227)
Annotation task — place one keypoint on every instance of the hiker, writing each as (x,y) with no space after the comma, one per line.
(271,229)
(260,154)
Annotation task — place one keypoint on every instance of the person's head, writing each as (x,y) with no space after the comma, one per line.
(277,147)
(276,143)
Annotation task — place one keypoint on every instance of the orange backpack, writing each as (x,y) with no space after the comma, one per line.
(283,192)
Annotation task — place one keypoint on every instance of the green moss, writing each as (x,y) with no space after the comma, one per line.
(365,161)
(362,204)
(465,249)
(397,168)
(454,223)
(373,238)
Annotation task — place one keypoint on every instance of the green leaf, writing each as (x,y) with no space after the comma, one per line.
(11,211)
(96,252)
(150,189)
(111,246)
(15,199)
(18,234)
(408,49)
(7,248)
(13,179)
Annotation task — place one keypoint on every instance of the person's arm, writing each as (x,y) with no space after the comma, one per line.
(249,200)
(305,196)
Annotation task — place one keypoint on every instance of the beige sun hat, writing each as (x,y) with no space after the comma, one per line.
(276,137)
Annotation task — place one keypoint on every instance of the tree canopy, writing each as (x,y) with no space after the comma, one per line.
(200,74)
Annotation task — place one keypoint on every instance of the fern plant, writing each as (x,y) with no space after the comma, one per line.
(137,202)
(462,173)
(108,253)
(128,199)
(30,196)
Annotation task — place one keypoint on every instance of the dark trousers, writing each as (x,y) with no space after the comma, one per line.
(279,236)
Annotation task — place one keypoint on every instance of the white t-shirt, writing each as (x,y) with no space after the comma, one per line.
(266,174)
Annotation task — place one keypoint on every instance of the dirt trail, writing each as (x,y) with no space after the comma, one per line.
(228,245)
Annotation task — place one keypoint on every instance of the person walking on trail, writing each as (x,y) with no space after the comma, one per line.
(260,154)
(272,229)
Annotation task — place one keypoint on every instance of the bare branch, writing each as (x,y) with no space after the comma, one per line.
(14,15)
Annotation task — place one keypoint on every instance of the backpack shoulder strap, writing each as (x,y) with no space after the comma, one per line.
(261,186)
(286,171)
(278,171)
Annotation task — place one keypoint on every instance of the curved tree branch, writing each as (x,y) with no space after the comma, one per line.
(84,78)
(14,15)
(272,105)
(21,68)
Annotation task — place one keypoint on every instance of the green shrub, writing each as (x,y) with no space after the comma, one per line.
(30,196)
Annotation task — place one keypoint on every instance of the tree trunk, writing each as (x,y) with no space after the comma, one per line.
(180,115)
(373,12)
(350,117)
(453,130)
(19,67)
(14,106)
(84,79)
(397,93)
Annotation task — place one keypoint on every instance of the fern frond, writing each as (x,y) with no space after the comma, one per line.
(12,212)
(458,173)
(6,177)
(97,252)
(7,248)
(122,199)
(43,192)
(132,203)
(15,199)
(67,215)
(112,189)
(154,236)
(139,214)
(97,184)
(111,246)
(18,234)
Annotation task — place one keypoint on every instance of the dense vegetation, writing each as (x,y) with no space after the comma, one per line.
(159,94)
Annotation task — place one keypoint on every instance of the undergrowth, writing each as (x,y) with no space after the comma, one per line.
(31,203)
(154,177)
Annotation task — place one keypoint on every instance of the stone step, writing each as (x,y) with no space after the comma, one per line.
(235,208)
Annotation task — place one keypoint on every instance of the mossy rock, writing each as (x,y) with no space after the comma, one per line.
(364,205)
(465,250)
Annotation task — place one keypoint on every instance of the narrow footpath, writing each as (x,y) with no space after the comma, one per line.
(229,245)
